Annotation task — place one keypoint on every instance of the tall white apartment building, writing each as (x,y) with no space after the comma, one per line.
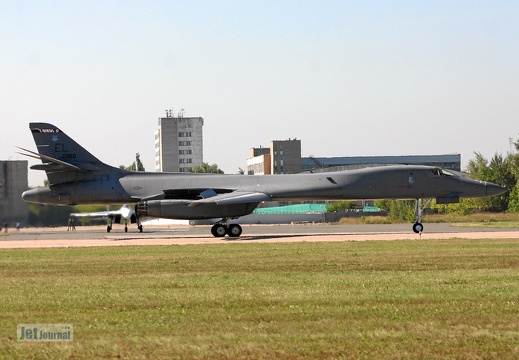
(178,144)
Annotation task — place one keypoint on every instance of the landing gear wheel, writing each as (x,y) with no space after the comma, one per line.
(126,229)
(234,230)
(108,228)
(218,230)
(140,228)
(417,227)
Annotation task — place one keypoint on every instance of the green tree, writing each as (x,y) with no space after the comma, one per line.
(343,205)
(398,210)
(383,204)
(401,210)
(477,168)
(48,215)
(136,165)
(208,169)
(500,171)
(138,162)
(513,199)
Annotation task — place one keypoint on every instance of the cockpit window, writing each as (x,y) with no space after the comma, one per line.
(447,173)
(442,172)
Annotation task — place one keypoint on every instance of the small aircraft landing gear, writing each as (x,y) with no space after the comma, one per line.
(110,223)
(220,229)
(417,226)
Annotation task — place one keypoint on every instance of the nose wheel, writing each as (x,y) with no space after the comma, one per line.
(417,227)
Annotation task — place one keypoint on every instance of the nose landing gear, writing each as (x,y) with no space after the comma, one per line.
(417,226)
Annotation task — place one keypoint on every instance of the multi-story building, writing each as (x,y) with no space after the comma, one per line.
(13,182)
(281,157)
(178,143)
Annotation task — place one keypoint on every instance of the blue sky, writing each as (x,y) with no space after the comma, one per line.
(348,78)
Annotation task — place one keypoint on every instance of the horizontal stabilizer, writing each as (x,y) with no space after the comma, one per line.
(236,197)
(50,163)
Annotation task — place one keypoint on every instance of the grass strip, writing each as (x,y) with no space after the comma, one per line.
(377,299)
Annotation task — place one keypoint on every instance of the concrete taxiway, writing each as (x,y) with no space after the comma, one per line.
(183,234)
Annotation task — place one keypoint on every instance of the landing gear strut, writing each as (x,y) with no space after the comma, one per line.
(417,226)
(220,229)
(109,226)
(139,225)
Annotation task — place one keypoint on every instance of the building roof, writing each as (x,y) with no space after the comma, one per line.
(401,159)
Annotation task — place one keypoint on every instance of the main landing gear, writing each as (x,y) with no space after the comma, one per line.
(139,225)
(220,229)
(417,226)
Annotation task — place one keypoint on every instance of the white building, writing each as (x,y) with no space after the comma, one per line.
(179,144)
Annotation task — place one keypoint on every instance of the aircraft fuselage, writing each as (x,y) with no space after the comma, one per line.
(385,182)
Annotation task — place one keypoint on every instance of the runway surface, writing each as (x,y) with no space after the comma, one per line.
(183,234)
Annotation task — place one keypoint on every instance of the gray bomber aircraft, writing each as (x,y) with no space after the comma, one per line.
(77,177)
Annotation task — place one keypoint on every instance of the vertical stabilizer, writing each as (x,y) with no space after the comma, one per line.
(62,158)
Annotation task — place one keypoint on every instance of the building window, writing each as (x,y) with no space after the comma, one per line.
(185,161)
(184,143)
(185,152)
(184,134)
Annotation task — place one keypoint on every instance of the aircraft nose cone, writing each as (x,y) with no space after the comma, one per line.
(494,189)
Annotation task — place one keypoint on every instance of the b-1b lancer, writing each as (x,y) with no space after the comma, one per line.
(77,177)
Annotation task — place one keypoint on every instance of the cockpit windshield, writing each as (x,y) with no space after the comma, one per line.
(442,172)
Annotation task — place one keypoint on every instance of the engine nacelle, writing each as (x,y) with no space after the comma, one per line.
(180,209)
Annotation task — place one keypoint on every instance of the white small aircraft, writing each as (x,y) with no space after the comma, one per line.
(126,213)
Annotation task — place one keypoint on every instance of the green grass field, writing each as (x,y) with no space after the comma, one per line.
(455,299)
